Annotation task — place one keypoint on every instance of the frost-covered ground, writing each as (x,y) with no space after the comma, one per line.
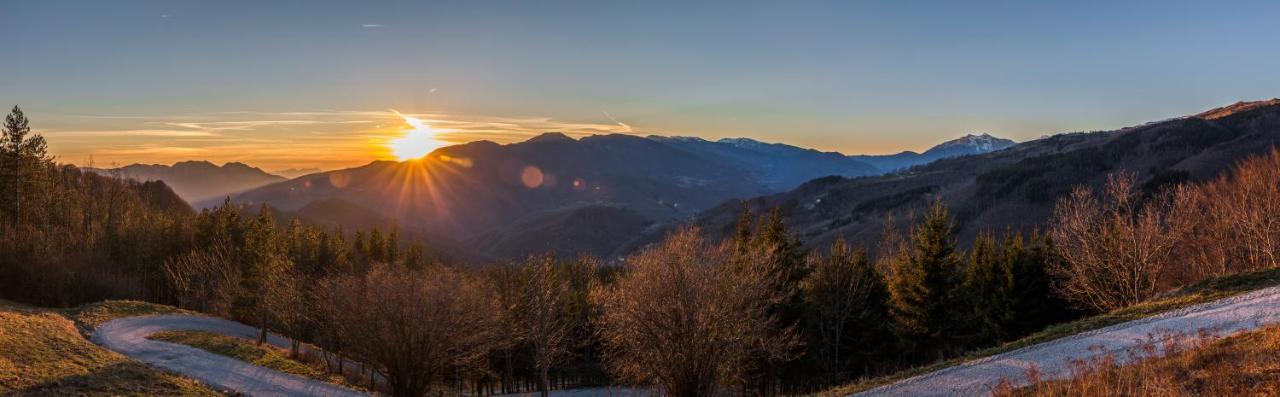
(1053,359)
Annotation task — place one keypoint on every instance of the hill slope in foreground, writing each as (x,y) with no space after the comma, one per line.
(43,354)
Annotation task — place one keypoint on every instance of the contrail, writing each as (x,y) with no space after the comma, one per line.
(626,128)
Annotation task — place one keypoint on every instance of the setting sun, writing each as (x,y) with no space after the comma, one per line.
(416,142)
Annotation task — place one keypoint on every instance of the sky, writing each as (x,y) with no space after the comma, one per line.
(293,84)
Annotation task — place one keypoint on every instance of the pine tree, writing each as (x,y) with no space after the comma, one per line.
(925,277)
(988,284)
(360,248)
(1033,304)
(845,297)
(263,269)
(377,246)
(414,258)
(23,158)
(392,252)
(771,240)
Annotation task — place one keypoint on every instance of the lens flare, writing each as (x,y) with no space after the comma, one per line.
(416,142)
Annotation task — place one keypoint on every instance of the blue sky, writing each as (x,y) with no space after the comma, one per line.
(275,82)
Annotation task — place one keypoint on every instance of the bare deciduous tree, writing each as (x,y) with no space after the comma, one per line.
(1232,222)
(544,319)
(203,280)
(687,318)
(417,329)
(1114,247)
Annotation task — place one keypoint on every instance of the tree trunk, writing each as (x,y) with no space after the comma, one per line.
(546,381)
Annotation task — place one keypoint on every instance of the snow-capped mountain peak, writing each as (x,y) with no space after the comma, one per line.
(742,142)
(974,143)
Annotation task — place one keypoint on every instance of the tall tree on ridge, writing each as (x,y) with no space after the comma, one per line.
(22,157)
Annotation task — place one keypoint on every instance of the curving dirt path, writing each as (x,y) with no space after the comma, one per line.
(1052,359)
(128,336)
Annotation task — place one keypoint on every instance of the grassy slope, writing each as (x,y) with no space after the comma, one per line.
(1204,291)
(1241,365)
(42,354)
(247,351)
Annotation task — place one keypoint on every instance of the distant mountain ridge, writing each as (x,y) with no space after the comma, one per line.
(966,145)
(1014,188)
(197,181)
(778,166)
(295,172)
(595,192)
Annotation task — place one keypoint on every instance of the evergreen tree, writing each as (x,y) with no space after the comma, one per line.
(988,283)
(263,271)
(924,279)
(23,158)
(377,246)
(845,297)
(360,248)
(413,258)
(1033,304)
(392,252)
(771,240)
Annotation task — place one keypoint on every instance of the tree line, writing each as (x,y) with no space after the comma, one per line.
(757,313)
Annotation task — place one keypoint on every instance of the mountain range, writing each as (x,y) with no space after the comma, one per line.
(1015,188)
(966,145)
(197,181)
(607,195)
(564,195)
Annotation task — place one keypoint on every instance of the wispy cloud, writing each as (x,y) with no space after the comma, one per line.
(324,138)
(621,124)
(124,133)
(372,26)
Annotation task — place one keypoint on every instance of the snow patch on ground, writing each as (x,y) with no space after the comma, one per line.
(1053,359)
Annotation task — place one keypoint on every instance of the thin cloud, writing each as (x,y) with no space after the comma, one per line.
(625,127)
(143,132)
(288,139)
(372,26)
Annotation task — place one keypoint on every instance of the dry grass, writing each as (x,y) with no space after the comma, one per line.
(1201,292)
(42,354)
(1245,364)
(261,355)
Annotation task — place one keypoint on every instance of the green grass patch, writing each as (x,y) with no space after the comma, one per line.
(248,351)
(43,354)
(1201,292)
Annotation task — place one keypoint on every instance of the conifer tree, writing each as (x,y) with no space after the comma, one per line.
(988,283)
(845,297)
(23,158)
(377,246)
(924,279)
(263,271)
(772,240)
(392,252)
(1033,304)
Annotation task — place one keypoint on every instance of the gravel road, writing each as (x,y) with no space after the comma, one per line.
(128,336)
(1052,359)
